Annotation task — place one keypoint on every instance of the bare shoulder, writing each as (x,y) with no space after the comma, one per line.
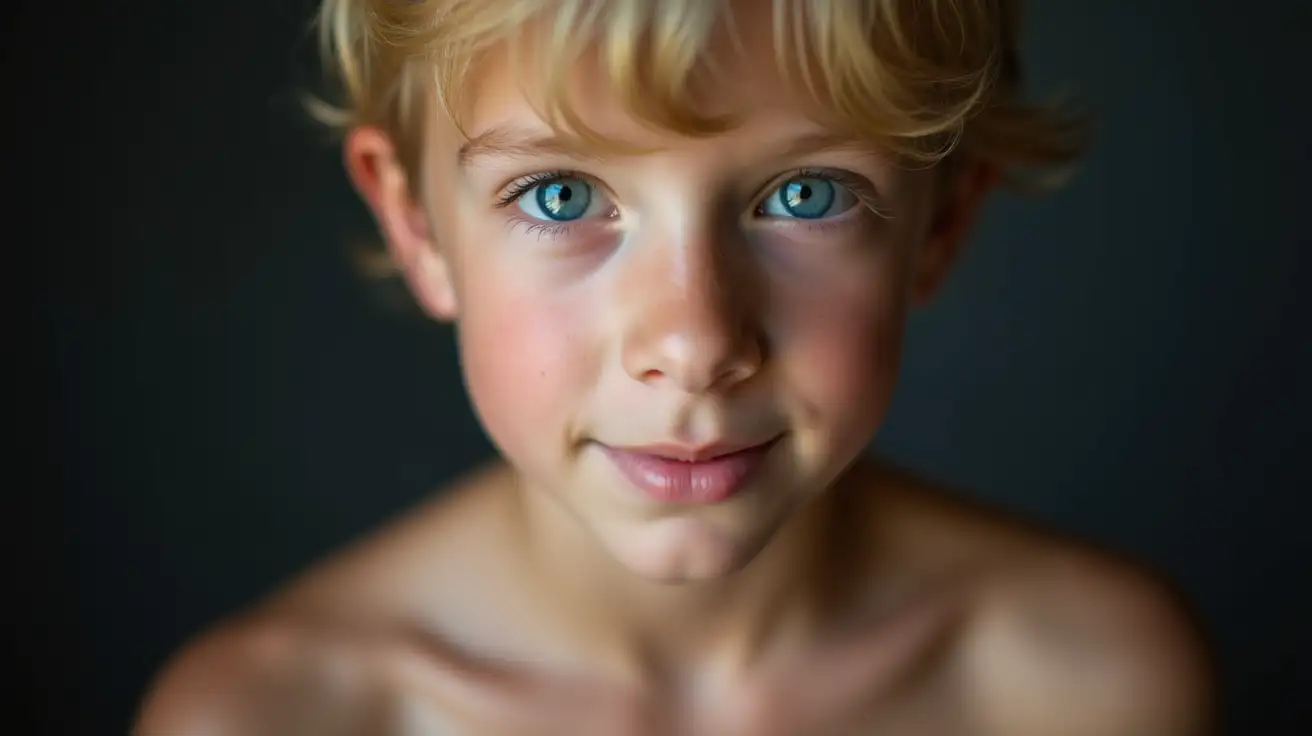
(267,677)
(1089,644)
(1060,636)
(352,646)
(427,561)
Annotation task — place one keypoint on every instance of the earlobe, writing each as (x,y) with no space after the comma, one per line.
(960,200)
(429,278)
(380,178)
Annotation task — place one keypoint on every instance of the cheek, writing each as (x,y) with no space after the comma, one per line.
(841,347)
(523,360)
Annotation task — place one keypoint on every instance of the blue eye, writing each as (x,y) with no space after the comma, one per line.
(808,198)
(560,200)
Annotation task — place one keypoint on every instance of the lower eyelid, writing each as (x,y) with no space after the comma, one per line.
(540,228)
(586,226)
(859,215)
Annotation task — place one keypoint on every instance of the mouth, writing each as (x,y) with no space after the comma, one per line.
(682,474)
(695,454)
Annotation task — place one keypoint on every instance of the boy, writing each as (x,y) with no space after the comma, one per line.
(678,240)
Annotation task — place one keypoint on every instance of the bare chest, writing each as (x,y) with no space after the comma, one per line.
(904,681)
(812,705)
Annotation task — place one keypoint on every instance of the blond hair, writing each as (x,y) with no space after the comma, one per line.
(925,77)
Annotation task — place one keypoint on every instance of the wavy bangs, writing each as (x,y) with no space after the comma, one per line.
(925,78)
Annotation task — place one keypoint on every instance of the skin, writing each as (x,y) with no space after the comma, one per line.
(545,595)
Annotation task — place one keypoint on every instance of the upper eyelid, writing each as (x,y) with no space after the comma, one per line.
(517,188)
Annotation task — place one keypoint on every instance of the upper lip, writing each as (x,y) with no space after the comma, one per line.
(695,453)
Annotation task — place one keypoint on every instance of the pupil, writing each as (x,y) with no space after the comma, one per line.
(560,202)
(803,198)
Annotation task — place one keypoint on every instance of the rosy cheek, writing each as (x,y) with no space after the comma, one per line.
(841,354)
(521,361)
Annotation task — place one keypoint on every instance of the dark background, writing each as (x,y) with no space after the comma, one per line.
(225,399)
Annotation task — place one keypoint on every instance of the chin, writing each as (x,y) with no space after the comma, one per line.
(685,550)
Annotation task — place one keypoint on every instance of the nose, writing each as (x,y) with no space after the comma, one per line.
(694,322)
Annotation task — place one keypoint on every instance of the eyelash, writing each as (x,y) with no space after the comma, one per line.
(859,187)
(524,185)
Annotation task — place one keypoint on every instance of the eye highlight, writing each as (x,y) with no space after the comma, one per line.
(565,199)
(558,197)
(811,195)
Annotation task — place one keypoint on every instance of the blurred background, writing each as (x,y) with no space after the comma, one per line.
(225,399)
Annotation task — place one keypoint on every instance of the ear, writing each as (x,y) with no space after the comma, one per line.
(379,177)
(959,196)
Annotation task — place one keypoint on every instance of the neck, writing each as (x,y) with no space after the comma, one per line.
(640,629)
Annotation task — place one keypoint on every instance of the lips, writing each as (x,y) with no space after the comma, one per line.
(685,475)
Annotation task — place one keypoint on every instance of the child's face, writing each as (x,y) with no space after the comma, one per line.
(734,290)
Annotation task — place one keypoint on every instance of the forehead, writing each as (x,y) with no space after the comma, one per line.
(739,78)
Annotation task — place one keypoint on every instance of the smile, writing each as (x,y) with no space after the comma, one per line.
(678,474)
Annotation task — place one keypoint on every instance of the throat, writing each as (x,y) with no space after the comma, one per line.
(797,592)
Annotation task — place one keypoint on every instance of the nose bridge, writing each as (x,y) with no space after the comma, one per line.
(700,299)
(692,324)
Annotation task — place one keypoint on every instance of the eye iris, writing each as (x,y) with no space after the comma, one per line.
(567,199)
(807,198)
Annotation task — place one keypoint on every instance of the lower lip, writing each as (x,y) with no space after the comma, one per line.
(678,482)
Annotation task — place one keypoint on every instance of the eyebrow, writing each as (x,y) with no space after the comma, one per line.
(508,142)
(504,142)
(813,143)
